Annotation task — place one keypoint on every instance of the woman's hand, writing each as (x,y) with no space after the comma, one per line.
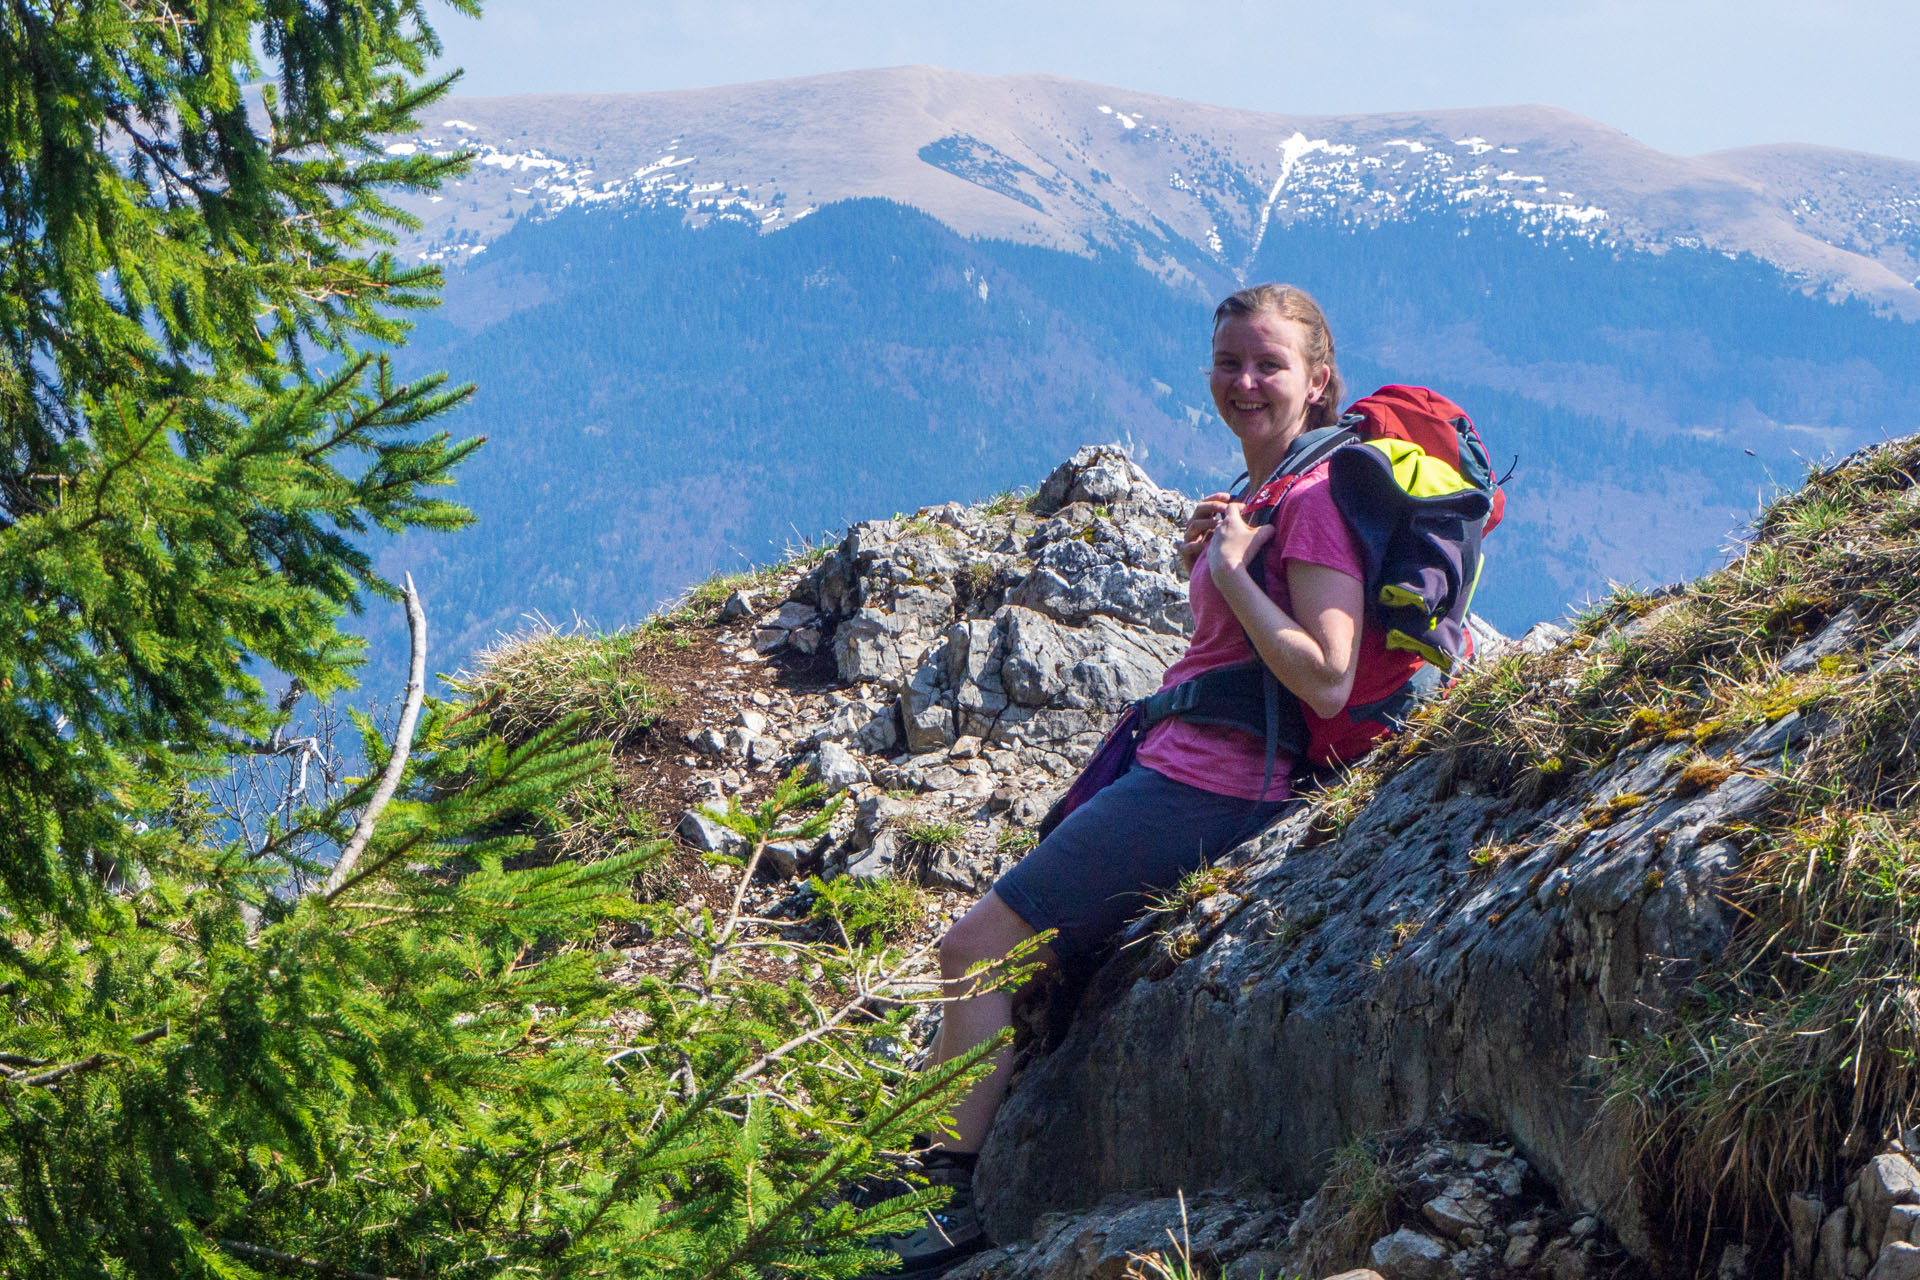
(1234,541)
(1201,523)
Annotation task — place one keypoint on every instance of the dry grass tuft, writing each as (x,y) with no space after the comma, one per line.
(1703,774)
(1702,663)
(1796,1053)
(540,676)
(1352,1208)
(1800,1055)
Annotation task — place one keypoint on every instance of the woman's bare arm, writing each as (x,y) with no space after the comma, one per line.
(1315,653)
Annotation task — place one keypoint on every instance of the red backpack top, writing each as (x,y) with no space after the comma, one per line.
(1437,425)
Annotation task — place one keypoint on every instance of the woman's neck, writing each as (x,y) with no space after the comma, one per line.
(1263,457)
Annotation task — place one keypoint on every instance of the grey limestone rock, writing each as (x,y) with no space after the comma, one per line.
(873,815)
(1844,631)
(1410,1255)
(1831,1261)
(1120,577)
(1220,1231)
(1102,474)
(1804,1212)
(708,836)
(1458,1214)
(784,858)
(867,647)
(880,858)
(1886,1181)
(926,710)
(1382,974)
(1898,1260)
(835,768)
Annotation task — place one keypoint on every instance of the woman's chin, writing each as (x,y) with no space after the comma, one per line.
(1254,428)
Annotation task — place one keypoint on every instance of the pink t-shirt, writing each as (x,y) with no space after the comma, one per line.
(1219,758)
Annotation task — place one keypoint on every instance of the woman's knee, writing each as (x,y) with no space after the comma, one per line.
(985,934)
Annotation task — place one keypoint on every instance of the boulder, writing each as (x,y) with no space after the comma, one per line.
(1416,977)
(1831,1261)
(784,859)
(1410,1255)
(866,647)
(1804,1212)
(1898,1260)
(1887,1180)
(835,768)
(703,833)
(926,711)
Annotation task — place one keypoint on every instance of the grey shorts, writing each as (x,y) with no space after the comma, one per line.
(1131,842)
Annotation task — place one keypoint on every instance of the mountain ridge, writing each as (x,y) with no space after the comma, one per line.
(1189,187)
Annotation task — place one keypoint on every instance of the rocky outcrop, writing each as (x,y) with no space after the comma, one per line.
(980,654)
(1444,947)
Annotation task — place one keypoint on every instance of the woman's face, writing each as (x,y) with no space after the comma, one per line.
(1261,381)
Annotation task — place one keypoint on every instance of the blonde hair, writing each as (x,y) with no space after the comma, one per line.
(1297,305)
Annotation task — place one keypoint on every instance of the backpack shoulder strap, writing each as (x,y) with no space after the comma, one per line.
(1308,451)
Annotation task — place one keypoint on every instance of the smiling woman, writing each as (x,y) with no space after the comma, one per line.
(1283,589)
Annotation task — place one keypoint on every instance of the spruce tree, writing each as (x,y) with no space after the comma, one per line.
(329,1045)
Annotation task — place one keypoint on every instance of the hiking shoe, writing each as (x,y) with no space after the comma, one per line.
(949,1234)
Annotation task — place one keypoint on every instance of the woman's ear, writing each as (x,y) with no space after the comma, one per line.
(1318,386)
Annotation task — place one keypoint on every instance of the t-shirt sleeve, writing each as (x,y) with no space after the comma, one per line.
(1310,529)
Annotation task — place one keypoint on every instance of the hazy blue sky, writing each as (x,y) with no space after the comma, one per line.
(1682,75)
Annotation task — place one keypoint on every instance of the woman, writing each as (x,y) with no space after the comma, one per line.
(1195,791)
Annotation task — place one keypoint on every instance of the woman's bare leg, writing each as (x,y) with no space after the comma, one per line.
(987,932)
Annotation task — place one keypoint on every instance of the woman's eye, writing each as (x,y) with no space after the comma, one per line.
(1268,368)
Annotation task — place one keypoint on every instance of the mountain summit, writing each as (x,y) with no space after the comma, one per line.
(1192,190)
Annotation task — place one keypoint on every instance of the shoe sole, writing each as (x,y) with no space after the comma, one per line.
(936,1266)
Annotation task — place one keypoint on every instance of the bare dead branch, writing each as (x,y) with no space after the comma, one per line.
(295,1260)
(91,1062)
(402,743)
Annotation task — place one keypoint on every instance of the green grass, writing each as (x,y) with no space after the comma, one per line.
(1007,502)
(922,527)
(1202,882)
(1796,1050)
(868,912)
(702,601)
(1016,840)
(930,835)
(700,605)
(593,823)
